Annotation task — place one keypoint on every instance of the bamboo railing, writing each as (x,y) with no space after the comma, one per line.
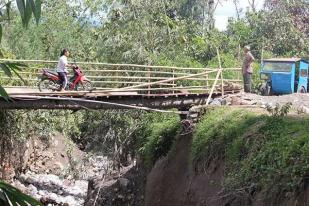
(142,79)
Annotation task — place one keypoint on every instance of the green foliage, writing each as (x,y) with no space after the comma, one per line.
(215,132)
(46,124)
(1,33)
(26,8)
(123,134)
(45,40)
(179,61)
(10,196)
(239,30)
(227,61)
(143,31)
(3,93)
(279,111)
(9,69)
(277,163)
(261,153)
(256,80)
(111,133)
(156,137)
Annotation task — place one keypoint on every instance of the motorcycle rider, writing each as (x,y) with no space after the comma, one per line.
(62,68)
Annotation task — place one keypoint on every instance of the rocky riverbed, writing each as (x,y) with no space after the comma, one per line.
(56,177)
(53,190)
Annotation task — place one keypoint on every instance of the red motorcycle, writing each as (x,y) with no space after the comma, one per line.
(50,80)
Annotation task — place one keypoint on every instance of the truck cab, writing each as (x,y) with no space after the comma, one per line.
(284,76)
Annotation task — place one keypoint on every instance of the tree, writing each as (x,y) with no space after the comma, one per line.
(238,10)
(287,32)
(298,11)
(201,11)
(252,4)
(280,28)
(139,31)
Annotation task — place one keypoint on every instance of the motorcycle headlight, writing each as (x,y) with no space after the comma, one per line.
(265,76)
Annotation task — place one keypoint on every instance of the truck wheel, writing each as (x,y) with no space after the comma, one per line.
(302,90)
(266,89)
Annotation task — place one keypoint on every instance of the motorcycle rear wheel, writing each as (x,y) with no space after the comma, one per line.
(48,85)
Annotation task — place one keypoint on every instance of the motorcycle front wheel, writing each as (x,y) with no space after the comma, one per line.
(48,85)
(84,86)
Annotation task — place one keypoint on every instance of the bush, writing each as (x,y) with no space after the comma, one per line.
(157,136)
(215,133)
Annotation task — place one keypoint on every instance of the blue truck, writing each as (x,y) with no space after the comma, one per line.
(284,76)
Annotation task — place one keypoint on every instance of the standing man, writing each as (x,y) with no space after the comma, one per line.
(247,69)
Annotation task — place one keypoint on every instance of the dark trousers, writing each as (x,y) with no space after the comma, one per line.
(247,82)
(63,79)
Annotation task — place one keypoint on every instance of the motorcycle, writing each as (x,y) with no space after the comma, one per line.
(50,80)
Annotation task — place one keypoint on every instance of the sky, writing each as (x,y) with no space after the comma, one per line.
(227,9)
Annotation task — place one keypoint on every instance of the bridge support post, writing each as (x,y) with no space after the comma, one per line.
(149,80)
(184,115)
(173,81)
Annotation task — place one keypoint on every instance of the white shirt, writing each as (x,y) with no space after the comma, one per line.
(62,64)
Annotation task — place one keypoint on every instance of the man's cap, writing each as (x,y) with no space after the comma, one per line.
(247,47)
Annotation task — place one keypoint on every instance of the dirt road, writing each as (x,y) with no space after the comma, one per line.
(299,101)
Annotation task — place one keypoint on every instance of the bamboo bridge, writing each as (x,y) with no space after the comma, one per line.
(121,86)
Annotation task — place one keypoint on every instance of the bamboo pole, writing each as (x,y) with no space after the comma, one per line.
(168,80)
(103,64)
(109,71)
(97,82)
(135,89)
(132,71)
(222,84)
(127,82)
(174,80)
(213,87)
(145,71)
(220,67)
(207,82)
(111,65)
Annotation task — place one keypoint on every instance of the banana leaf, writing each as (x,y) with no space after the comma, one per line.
(11,196)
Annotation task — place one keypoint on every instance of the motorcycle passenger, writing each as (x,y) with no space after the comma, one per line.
(62,68)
